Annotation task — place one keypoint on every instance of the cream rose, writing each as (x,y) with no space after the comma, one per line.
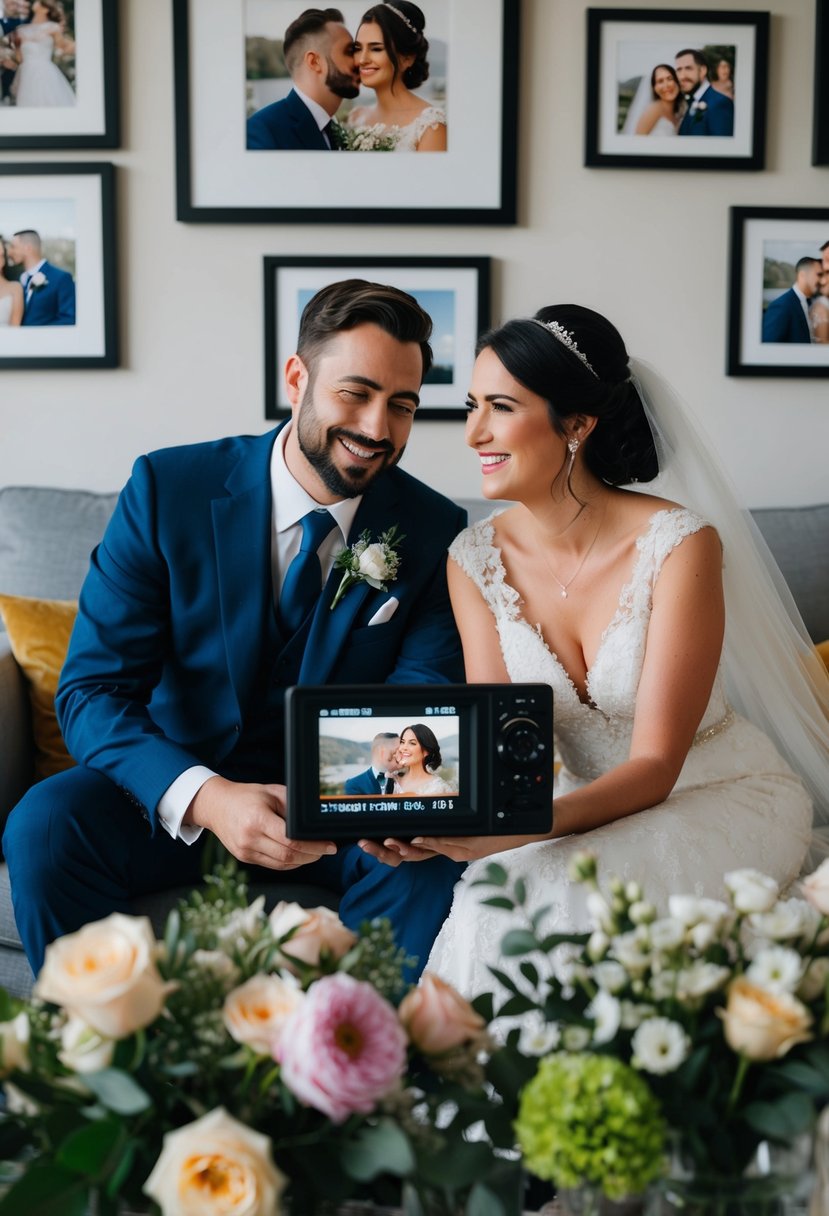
(105,974)
(763,1025)
(373,562)
(816,888)
(437,1018)
(82,1049)
(751,891)
(255,1012)
(14,1045)
(315,930)
(216,1166)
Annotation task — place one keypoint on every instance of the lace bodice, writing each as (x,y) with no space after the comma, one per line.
(406,138)
(592,736)
(37,38)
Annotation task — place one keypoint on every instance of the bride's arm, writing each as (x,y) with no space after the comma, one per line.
(649,118)
(17,305)
(482,658)
(433,139)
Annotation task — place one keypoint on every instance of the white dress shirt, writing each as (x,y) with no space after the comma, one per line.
(804,304)
(320,116)
(289,503)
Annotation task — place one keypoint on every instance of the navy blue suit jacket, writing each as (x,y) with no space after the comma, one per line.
(287,125)
(54,302)
(783,320)
(363,783)
(717,118)
(164,657)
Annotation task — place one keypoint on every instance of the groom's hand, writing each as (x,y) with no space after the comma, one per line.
(249,821)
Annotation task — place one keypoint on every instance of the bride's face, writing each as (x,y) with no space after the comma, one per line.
(664,85)
(371,57)
(509,427)
(410,751)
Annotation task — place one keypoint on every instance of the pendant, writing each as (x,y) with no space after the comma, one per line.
(564,593)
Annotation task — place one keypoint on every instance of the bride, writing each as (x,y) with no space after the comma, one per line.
(621,600)
(658,108)
(390,52)
(11,293)
(419,754)
(39,82)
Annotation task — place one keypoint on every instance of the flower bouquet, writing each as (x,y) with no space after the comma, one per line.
(246,1065)
(721,1010)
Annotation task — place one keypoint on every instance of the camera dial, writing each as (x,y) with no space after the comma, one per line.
(520,743)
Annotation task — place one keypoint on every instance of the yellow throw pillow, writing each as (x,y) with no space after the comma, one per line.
(823,650)
(39,635)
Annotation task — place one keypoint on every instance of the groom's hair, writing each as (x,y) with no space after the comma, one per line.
(352,302)
(805,263)
(306,26)
(699,58)
(30,237)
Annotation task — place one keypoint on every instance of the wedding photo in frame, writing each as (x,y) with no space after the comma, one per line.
(820,134)
(58,305)
(683,89)
(454,291)
(229,67)
(779,292)
(59,74)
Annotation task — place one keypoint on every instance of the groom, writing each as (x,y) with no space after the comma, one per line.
(210,594)
(319,55)
(709,112)
(48,291)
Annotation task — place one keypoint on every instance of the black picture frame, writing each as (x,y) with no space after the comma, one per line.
(95,121)
(765,243)
(290,281)
(219,181)
(610,57)
(79,199)
(820,126)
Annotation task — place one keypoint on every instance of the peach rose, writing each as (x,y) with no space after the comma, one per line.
(105,974)
(816,888)
(255,1012)
(763,1025)
(315,930)
(437,1018)
(216,1166)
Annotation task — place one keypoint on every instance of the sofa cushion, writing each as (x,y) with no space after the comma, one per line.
(799,540)
(46,537)
(39,632)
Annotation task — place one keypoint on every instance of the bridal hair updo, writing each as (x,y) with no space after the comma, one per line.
(402,24)
(620,449)
(432,758)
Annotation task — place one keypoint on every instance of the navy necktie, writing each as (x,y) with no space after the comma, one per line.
(303,578)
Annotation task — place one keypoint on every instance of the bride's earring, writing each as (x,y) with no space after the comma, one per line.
(573,446)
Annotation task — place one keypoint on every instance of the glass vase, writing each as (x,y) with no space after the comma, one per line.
(588,1200)
(778,1181)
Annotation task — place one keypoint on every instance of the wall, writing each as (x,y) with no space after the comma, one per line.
(646,247)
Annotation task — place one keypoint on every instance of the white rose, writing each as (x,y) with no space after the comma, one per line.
(751,891)
(659,1046)
(256,1012)
(692,910)
(313,931)
(538,1037)
(82,1049)
(216,963)
(634,1015)
(816,888)
(702,935)
(38,279)
(105,974)
(699,979)
(216,1166)
(242,924)
(666,934)
(610,976)
(787,919)
(373,563)
(14,1045)
(633,950)
(663,985)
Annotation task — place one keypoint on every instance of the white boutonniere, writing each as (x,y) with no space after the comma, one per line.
(367,561)
(699,108)
(38,280)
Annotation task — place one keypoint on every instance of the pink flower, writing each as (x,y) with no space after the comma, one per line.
(343,1048)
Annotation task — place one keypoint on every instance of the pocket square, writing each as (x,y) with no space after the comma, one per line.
(385,612)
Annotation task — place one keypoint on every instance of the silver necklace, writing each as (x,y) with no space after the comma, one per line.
(587,552)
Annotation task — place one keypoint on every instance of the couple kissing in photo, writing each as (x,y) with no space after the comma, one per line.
(328,65)
(403,764)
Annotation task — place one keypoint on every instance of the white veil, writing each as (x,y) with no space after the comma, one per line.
(773,675)
(642,98)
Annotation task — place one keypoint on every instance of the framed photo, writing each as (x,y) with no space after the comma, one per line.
(682,89)
(57,266)
(249,149)
(779,292)
(820,136)
(58,74)
(454,292)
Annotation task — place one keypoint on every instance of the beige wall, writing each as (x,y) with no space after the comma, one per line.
(647,247)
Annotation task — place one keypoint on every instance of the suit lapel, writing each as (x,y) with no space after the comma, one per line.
(242,539)
(330,628)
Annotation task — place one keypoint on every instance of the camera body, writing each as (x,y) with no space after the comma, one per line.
(494,775)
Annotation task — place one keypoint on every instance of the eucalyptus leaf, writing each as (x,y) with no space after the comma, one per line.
(517,1005)
(781,1120)
(494,876)
(529,972)
(499,901)
(520,891)
(379,1149)
(483,1202)
(118,1091)
(518,941)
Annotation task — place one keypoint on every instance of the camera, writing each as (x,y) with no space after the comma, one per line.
(479,757)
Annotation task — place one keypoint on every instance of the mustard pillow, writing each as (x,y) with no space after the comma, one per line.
(39,636)
(823,650)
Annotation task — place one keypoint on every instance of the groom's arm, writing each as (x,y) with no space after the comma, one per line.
(65,287)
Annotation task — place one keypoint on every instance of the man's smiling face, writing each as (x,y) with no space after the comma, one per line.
(353,410)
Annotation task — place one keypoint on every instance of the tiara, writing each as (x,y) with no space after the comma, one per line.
(402,17)
(566,339)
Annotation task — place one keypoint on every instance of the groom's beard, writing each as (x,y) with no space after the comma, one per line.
(318,445)
(340,83)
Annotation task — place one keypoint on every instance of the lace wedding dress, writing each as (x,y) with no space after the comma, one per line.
(736,802)
(39,82)
(5,309)
(406,138)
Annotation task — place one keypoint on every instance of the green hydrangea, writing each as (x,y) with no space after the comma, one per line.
(587,1118)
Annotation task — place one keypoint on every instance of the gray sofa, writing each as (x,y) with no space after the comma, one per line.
(46,536)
